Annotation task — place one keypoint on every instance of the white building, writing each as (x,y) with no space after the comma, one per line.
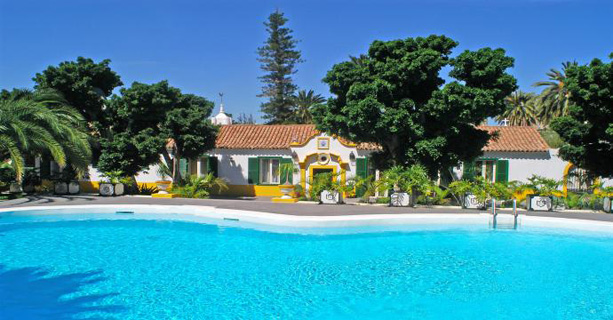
(248,156)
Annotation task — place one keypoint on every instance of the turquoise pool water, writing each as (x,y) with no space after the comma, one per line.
(148,269)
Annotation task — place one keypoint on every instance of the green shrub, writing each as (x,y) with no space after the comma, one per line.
(385,200)
(200,187)
(402,179)
(435,195)
(541,186)
(572,200)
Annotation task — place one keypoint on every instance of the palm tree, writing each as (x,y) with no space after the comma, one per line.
(520,109)
(303,103)
(41,122)
(554,99)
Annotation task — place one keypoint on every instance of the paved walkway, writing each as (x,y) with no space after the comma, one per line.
(265,205)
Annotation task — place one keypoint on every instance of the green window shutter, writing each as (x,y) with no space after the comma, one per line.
(253,171)
(283,173)
(361,172)
(468,170)
(361,167)
(211,166)
(183,165)
(502,171)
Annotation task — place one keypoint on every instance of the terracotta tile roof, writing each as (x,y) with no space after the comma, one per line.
(515,139)
(258,136)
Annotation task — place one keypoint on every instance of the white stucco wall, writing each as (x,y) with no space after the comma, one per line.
(149,175)
(236,172)
(523,165)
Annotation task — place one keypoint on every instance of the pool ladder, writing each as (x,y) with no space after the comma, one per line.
(504,220)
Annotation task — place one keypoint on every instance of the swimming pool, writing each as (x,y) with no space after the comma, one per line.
(138,266)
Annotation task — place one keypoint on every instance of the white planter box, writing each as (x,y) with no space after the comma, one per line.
(119,189)
(607,205)
(15,187)
(60,188)
(333,197)
(74,187)
(538,203)
(106,189)
(471,202)
(400,199)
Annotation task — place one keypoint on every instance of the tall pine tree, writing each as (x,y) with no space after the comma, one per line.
(278,57)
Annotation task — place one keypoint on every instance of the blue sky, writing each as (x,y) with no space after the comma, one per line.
(206,47)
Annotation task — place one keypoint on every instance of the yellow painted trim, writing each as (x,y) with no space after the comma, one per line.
(305,142)
(165,195)
(280,200)
(303,177)
(250,190)
(565,179)
(340,160)
(313,166)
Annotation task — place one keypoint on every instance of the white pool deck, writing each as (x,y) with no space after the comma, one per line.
(263,212)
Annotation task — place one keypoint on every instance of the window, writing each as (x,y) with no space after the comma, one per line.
(485,168)
(269,171)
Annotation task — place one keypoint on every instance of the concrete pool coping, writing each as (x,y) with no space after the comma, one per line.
(318,216)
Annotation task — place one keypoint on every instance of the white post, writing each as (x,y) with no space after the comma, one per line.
(199,167)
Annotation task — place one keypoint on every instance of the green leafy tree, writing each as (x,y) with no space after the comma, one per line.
(278,58)
(187,125)
(84,83)
(521,110)
(145,118)
(587,129)
(39,123)
(134,140)
(303,102)
(394,96)
(554,100)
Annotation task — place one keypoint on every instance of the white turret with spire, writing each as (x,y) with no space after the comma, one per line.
(221,118)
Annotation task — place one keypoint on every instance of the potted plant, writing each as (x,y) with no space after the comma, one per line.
(405,182)
(287,187)
(163,172)
(66,182)
(112,185)
(464,192)
(30,180)
(543,189)
(327,189)
(607,198)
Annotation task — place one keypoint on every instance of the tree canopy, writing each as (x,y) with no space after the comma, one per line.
(42,123)
(587,129)
(278,58)
(84,83)
(395,96)
(147,116)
